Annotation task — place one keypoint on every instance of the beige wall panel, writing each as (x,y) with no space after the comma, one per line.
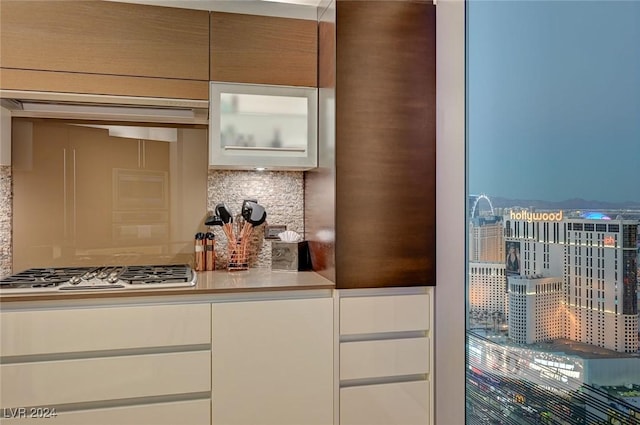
(263,49)
(77,174)
(105,38)
(67,82)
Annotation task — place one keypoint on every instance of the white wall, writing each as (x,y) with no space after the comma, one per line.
(450,305)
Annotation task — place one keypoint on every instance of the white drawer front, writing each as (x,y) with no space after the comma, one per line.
(103,328)
(395,313)
(192,412)
(393,357)
(404,403)
(84,380)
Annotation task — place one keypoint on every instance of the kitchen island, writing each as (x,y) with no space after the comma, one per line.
(238,347)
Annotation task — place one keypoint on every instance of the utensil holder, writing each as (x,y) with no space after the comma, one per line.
(238,255)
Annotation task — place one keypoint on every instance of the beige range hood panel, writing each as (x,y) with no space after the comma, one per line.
(93,107)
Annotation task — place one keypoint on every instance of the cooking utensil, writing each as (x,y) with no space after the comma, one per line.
(224,213)
(213,220)
(258,215)
(253,212)
(226,216)
(247,207)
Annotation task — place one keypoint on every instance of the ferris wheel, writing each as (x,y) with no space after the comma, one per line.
(475,203)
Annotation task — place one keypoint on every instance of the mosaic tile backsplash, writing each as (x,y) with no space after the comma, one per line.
(281,193)
(5,220)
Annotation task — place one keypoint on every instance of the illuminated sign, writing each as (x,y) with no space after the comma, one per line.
(609,241)
(536,216)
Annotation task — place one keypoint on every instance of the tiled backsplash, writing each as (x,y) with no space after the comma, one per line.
(281,193)
(5,220)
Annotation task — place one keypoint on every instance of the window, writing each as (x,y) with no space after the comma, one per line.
(533,72)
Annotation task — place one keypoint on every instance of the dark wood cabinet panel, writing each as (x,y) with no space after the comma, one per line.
(263,50)
(385,144)
(103,37)
(326,54)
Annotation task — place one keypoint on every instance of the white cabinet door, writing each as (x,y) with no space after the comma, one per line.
(273,362)
(384,358)
(393,313)
(50,383)
(403,403)
(107,364)
(73,330)
(191,412)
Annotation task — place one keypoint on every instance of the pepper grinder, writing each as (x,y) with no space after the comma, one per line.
(209,249)
(199,252)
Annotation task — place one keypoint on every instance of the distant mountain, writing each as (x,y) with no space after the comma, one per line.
(569,204)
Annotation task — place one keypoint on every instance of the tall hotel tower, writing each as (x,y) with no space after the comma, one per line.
(596,261)
(486,242)
(486,260)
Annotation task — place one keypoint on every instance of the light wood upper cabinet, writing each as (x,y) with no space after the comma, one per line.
(105,38)
(97,46)
(263,50)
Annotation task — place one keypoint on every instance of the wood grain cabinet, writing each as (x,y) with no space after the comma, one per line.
(146,364)
(263,50)
(377,146)
(103,47)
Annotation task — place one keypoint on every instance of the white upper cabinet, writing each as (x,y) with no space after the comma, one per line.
(262,126)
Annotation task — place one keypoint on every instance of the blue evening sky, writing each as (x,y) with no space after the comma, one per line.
(554,99)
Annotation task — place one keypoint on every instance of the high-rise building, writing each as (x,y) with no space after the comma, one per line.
(487,290)
(536,309)
(597,261)
(486,240)
(487,284)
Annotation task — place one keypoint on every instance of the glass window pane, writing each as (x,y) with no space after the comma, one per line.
(553,145)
